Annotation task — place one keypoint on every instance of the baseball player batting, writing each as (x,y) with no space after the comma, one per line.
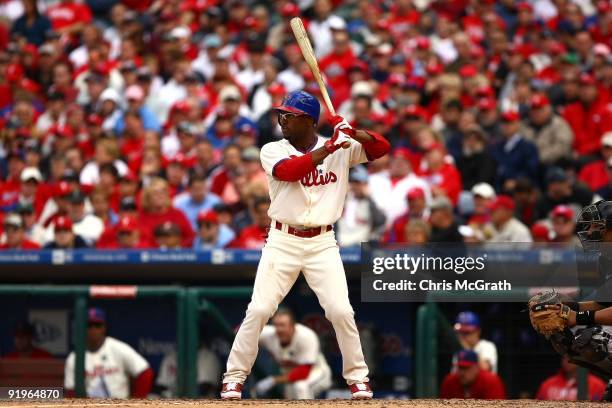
(308,179)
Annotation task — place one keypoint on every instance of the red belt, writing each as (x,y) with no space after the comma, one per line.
(303,233)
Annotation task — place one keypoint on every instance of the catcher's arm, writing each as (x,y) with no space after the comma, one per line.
(583,306)
(590,313)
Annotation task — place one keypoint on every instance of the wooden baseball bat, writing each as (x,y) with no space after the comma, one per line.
(309,56)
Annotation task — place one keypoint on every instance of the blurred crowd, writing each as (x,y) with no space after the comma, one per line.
(138,123)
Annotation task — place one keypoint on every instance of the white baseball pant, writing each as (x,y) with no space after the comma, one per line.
(282,259)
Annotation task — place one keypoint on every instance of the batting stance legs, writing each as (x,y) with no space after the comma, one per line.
(283,257)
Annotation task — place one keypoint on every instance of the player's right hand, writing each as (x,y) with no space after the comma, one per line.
(338,140)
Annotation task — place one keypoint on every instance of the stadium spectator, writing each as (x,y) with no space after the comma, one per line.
(362,220)
(589,117)
(32,25)
(252,166)
(417,210)
(220,177)
(205,159)
(254,236)
(444,228)
(211,233)
(128,233)
(135,95)
(417,232)
(128,187)
(337,63)
(516,157)
(550,132)
(168,236)
(605,191)
(483,195)
(563,386)
(34,231)
(101,206)
(323,25)
(15,235)
(157,209)
(468,329)
(15,163)
(475,163)
(470,381)
(64,236)
(84,224)
(390,187)
(560,189)
(595,174)
(127,208)
(525,198)
(504,227)
(176,173)
(107,151)
(24,335)
(196,200)
(229,116)
(113,369)
(563,222)
(442,176)
(541,232)
(68,17)
(32,189)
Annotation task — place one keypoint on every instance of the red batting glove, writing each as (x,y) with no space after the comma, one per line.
(336,120)
(339,122)
(339,140)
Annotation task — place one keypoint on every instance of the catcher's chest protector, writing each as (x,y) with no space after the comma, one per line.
(588,347)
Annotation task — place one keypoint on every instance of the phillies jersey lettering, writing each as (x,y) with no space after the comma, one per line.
(317,178)
(108,370)
(318,199)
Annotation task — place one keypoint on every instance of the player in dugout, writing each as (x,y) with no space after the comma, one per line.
(296,349)
(113,369)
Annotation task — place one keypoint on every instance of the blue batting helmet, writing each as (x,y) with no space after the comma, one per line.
(303,103)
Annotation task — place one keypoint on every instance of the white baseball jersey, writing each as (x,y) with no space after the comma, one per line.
(209,370)
(108,370)
(303,349)
(317,199)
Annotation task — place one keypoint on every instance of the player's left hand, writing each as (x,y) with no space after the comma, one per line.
(263,386)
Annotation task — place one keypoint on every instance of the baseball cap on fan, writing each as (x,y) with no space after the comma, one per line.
(483,190)
(230,93)
(31,173)
(467,322)
(466,358)
(358,174)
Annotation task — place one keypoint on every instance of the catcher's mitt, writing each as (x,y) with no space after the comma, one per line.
(547,314)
